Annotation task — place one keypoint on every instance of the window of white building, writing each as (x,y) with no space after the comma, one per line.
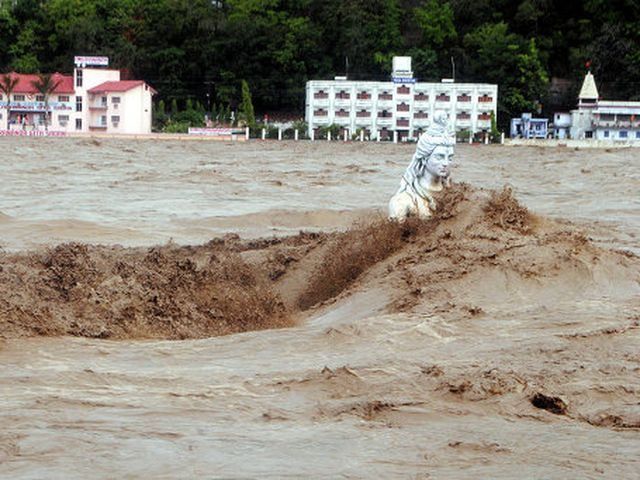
(115,120)
(103,120)
(63,120)
(78,124)
(63,98)
(115,102)
(18,98)
(623,134)
(78,104)
(39,98)
(78,78)
(637,134)
(606,134)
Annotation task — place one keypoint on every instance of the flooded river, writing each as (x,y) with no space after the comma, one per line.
(478,350)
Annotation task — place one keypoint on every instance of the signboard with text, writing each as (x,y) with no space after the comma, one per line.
(404,80)
(214,132)
(91,61)
(31,133)
(36,106)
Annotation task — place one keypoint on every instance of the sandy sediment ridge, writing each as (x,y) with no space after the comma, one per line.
(482,247)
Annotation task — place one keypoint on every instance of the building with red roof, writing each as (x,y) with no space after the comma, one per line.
(93,99)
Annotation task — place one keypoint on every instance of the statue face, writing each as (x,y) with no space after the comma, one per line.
(439,163)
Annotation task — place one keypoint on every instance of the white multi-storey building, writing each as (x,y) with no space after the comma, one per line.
(93,99)
(604,119)
(401,105)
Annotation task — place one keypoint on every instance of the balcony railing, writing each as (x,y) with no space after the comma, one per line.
(342,102)
(615,124)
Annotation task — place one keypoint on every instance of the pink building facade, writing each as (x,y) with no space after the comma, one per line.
(93,99)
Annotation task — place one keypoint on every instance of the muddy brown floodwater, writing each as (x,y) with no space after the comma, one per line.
(499,340)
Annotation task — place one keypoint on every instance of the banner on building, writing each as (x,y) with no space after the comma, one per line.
(31,133)
(215,132)
(91,61)
(36,106)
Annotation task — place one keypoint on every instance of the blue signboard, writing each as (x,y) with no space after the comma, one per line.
(404,80)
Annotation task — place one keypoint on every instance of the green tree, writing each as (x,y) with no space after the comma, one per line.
(435,19)
(159,116)
(24,50)
(7,86)
(45,85)
(246,114)
(501,57)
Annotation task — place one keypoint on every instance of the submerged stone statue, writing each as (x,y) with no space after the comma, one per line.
(428,172)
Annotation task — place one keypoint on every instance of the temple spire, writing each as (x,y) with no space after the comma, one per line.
(589,91)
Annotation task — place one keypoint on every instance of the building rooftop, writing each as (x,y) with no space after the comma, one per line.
(120,86)
(26,81)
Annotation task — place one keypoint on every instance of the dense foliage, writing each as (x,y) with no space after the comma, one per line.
(203,49)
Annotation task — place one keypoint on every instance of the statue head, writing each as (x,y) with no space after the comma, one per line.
(435,147)
(439,162)
(440,119)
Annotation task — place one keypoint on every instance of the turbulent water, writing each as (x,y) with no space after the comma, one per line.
(495,343)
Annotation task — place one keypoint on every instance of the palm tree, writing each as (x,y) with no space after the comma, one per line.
(45,85)
(8,83)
